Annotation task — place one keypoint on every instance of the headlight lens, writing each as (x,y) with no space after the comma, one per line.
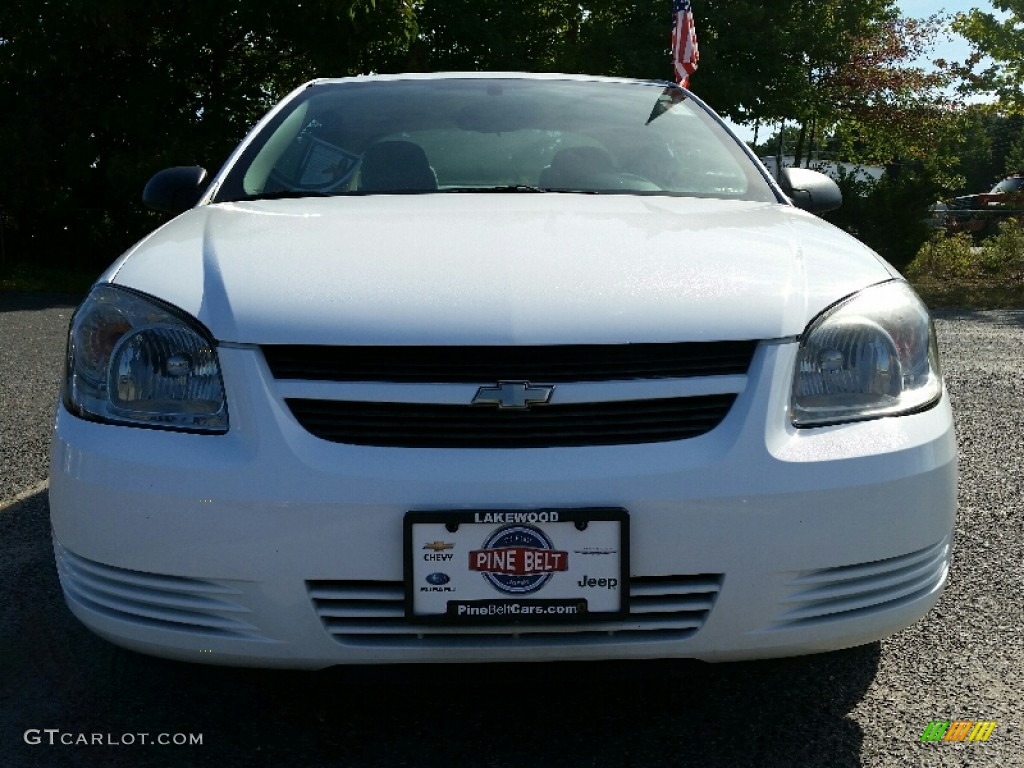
(135,360)
(873,354)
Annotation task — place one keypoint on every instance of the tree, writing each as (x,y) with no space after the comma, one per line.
(1002,40)
(99,94)
(816,62)
(881,100)
(988,146)
(763,61)
(609,37)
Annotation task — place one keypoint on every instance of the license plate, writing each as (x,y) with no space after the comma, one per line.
(516,566)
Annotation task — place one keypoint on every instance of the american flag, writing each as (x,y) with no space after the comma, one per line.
(684,42)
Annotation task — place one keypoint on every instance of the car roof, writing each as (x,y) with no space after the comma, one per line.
(481,76)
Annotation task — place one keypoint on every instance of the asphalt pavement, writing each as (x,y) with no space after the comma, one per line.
(866,706)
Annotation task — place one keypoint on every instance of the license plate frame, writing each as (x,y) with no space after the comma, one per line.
(549,565)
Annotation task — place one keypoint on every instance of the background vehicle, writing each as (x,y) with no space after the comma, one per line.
(981,213)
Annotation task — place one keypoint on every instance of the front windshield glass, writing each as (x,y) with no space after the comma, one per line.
(1012,184)
(504,135)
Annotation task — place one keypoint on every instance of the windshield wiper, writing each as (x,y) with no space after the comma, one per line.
(282,194)
(507,188)
(286,194)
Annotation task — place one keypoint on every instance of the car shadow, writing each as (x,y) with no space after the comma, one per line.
(20,301)
(56,674)
(1002,317)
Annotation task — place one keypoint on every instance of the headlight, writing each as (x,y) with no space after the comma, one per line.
(873,354)
(134,360)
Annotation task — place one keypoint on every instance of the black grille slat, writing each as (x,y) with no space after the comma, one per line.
(357,621)
(475,364)
(456,416)
(465,426)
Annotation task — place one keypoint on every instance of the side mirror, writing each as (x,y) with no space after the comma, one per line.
(810,190)
(175,189)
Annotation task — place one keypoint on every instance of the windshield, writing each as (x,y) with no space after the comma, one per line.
(1012,184)
(498,135)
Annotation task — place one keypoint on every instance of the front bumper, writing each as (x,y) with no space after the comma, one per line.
(269,547)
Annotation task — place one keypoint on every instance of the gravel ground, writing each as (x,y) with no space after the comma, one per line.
(33,330)
(864,707)
(966,659)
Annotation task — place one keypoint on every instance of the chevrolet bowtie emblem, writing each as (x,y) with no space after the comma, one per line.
(513,395)
(439,546)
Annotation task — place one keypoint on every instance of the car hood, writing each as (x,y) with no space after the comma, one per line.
(498,269)
(987,198)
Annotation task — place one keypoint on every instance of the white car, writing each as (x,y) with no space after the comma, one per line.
(509,367)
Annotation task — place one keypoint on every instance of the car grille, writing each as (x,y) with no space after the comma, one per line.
(414,425)
(411,419)
(153,600)
(476,364)
(372,613)
(835,594)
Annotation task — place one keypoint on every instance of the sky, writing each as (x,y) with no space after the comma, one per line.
(954,49)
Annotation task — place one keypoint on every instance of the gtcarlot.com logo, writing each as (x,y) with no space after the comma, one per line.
(56,737)
(958,730)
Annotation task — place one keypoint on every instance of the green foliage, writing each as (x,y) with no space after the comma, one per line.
(1014,161)
(1002,255)
(766,61)
(848,74)
(955,259)
(890,214)
(883,103)
(1002,41)
(99,94)
(943,259)
(605,37)
(977,145)
(35,279)
(986,145)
